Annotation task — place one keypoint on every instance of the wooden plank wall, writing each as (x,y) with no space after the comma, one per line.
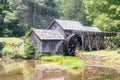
(37,42)
(52,46)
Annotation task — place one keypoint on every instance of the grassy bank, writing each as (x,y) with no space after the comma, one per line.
(73,64)
(108,53)
(13,44)
(111,57)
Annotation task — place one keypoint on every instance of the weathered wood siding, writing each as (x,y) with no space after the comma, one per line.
(57,27)
(52,46)
(45,46)
(37,42)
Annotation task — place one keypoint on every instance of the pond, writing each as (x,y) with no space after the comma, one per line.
(18,69)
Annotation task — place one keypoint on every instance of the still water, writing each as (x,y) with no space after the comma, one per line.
(18,69)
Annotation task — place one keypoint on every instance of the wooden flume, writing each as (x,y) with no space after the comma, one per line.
(87,40)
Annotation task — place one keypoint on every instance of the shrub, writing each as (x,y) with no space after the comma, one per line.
(1,47)
(29,48)
(9,52)
(117,40)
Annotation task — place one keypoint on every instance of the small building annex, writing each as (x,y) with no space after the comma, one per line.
(47,40)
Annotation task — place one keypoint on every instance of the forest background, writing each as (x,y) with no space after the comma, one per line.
(18,16)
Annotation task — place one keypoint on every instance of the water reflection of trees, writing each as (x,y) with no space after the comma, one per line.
(16,68)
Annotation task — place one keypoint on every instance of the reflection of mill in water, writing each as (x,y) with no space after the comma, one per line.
(47,72)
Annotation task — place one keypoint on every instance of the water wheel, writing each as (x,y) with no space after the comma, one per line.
(70,44)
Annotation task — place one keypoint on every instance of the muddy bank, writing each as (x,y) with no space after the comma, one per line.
(100,61)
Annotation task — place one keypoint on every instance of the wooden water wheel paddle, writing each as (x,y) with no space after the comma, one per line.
(70,44)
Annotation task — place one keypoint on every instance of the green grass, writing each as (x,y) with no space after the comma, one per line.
(15,42)
(10,40)
(71,62)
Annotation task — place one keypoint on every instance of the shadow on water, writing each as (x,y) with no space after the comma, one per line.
(30,70)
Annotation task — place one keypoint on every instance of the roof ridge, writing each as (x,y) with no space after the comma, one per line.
(66,20)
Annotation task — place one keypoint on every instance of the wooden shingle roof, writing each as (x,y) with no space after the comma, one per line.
(73,25)
(69,25)
(48,34)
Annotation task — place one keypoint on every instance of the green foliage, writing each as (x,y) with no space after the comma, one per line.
(1,47)
(52,53)
(17,15)
(73,10)
(9,21)
(117,40)
(16,44)
(29,48)
(104,14)
(35,13)
(12,47)
(9,52)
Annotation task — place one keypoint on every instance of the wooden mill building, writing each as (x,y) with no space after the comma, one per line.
(65,36)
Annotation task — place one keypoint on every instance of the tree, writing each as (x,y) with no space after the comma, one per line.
(9,21)
(73,10)
(46,11)
(3,8)
(39,14)
(18,15)
(105,14)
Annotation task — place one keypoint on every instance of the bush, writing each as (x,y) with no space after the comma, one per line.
(1,47)
(117,40)
(9,52)
(29,48)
